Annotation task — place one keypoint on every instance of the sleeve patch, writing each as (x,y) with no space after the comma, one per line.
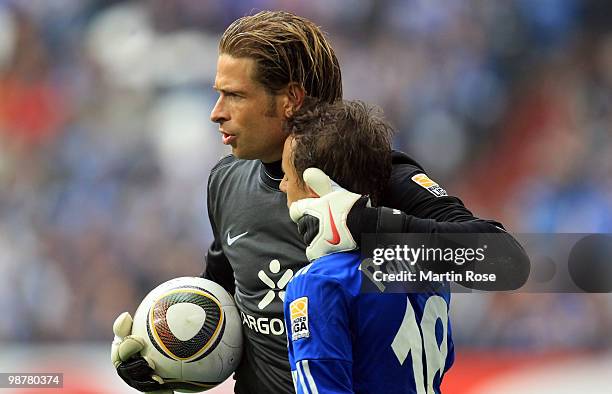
(425,182)
(299,318)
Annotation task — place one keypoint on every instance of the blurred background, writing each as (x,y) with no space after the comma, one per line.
(106,145)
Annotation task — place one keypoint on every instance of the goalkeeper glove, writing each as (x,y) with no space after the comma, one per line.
(135,370)
(323,221)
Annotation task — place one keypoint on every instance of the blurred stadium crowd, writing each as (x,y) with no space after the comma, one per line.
(105,143)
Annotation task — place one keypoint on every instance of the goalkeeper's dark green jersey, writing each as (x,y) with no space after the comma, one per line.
(257,250)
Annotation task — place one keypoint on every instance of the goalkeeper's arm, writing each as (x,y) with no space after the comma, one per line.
(352,216)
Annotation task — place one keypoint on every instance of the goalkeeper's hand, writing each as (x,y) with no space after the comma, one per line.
(323,222)
(135,370)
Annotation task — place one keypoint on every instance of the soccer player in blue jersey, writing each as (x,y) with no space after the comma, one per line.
(342,340)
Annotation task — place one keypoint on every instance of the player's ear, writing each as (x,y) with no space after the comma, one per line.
(295,98)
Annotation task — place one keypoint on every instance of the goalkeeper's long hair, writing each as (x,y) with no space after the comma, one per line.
(287,49)
(349,140)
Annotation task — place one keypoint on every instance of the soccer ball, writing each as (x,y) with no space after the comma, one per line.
(192,332)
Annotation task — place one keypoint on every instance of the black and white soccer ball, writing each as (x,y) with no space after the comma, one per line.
(192,331)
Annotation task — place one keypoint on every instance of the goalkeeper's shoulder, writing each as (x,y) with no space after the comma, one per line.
(223,172)
(231,168)
(224,162)
(404,162)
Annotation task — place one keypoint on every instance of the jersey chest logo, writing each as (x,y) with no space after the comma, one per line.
(275,288)
(231,240)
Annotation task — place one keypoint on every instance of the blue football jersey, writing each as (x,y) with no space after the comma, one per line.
(342,340)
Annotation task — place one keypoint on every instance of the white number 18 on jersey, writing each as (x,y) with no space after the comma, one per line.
(408,340)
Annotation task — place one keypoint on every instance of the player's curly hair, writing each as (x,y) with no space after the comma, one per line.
(349,140)
(286,48)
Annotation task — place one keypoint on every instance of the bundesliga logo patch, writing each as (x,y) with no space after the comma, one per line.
(431,186)
(299,319)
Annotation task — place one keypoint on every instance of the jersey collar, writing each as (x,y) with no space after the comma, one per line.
(271,174)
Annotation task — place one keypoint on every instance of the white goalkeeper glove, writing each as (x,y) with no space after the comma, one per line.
(325,215)
(135,370)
